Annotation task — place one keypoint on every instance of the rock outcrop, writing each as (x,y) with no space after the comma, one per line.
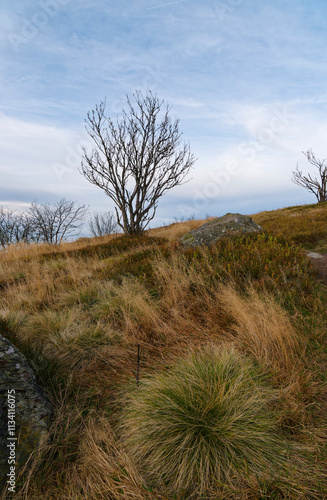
(24,412)
(220,227)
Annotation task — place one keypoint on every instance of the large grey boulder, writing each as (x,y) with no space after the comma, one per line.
(24,413)
(220,227)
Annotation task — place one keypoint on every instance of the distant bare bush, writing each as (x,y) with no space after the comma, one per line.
(102,224)
(54,223)
(14,228)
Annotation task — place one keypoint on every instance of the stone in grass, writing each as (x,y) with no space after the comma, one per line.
(220,227)
(24,413)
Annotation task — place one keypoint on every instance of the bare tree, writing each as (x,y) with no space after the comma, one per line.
(14,228)
(137,159)
(102,224)
(7,223)
(54,223)
(317,186)
(23,229)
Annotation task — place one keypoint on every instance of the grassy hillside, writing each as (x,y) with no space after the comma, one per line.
(227,401)
(303,225)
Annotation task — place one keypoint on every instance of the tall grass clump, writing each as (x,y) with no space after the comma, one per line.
(209,420)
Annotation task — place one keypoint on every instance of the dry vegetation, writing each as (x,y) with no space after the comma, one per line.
(79,312)
(304,225)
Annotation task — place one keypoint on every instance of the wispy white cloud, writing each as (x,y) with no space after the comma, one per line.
(228,68)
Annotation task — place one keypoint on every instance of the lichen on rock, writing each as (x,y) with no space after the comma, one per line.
(24,410)
(220,227)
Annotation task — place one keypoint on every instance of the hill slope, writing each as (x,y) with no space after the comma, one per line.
(82,311)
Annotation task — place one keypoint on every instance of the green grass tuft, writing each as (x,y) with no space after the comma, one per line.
(207,420)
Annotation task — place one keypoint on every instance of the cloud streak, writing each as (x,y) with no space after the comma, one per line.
(228,67)
(166,4)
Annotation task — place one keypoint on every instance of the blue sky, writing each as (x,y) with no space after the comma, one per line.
(246,78)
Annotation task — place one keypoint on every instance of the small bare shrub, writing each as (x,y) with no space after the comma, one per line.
(102,224)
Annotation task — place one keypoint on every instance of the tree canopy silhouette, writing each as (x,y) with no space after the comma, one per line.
(136,159)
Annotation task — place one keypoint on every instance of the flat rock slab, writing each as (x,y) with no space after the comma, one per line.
(220,227)
(24,412)
(319,262)
(314,255)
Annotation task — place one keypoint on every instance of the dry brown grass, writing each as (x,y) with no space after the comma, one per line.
(66,313)
(23,251)
(64,302)
(104,467)
(264,329)
(176,230)
(101,469)
(255,322)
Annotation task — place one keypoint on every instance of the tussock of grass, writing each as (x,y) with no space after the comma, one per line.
(59,326)
(209,419)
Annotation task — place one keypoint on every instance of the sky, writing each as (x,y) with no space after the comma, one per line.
(246,78)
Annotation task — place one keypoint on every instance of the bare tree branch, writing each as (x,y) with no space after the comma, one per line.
(317,186)
(54,223)
(137,159)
